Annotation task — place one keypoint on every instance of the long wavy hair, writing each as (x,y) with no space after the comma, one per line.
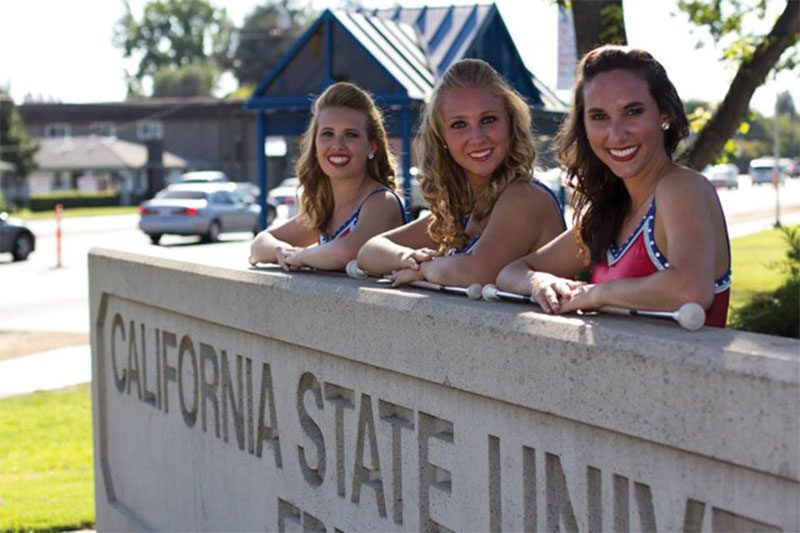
(443,183)
(317,199)
(600,198)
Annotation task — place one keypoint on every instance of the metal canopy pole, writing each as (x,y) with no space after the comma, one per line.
(262,168)
(328,36)
(407,156)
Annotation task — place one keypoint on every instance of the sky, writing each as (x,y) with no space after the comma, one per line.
(62,50)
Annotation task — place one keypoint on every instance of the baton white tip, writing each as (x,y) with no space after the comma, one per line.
(353,271)
(489,293)
(691,316)
(474,291)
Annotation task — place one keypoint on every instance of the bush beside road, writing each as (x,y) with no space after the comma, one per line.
(72,212)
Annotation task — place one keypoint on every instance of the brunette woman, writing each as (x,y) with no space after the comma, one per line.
(652,230)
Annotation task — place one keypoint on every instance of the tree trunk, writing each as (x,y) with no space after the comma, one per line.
(751,75)
(597,22)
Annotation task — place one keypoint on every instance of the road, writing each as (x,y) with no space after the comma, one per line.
(37,296)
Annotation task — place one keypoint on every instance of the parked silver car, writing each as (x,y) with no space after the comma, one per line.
(286,197)
(203,176)
(205,209)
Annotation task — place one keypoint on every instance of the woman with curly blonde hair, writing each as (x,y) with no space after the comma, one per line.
(347,175)
(477,157)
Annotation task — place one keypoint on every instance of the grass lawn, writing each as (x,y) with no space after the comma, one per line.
(46,470)
(27,214)
(753,257)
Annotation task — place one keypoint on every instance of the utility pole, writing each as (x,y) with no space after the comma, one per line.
(776,170)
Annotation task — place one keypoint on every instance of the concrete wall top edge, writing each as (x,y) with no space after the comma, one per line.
(669,340)
(725,394)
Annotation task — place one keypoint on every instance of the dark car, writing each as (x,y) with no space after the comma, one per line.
(15,238)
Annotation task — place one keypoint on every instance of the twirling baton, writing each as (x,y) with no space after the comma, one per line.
(690,316)
(473,292)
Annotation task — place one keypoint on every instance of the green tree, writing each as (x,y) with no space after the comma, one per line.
(190,80)
(174,34)
(755,55)
(758,141)
(16,147)
(266,35)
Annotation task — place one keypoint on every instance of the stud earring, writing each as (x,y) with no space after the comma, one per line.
(371,156)
(665,125)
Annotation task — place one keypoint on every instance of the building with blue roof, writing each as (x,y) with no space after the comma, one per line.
(398,55)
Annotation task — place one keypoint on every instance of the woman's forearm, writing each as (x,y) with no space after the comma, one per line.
(516,277)
(380,255)
(457,271)
(264,248)
(664,290)
(330,256)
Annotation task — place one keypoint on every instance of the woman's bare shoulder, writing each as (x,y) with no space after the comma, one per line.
(682,183)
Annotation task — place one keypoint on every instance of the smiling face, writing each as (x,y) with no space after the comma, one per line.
(342,144)
(623,123)
(476,129)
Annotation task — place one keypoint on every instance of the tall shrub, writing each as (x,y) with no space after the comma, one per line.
(776,312)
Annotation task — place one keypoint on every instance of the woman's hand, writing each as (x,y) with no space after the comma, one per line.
(414,258)
(552,292)
(583,297)
(405,275)
(290,258)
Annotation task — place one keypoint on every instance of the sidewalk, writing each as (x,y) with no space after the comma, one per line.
(53,369)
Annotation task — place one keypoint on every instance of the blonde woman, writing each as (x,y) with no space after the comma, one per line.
(477,158)
(347,175)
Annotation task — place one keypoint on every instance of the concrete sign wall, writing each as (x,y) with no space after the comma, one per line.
(227,399)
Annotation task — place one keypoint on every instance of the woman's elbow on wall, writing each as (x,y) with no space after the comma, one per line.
(256,246)
(507,278)
(347,253)
(365,253)
(700,295)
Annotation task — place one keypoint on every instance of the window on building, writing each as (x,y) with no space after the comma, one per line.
(105,129)
(57,129)
(149,129)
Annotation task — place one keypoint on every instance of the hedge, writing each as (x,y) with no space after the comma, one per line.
(47,201)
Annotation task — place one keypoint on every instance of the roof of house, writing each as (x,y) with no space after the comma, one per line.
(397,54)
(129,110)
(92,152)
